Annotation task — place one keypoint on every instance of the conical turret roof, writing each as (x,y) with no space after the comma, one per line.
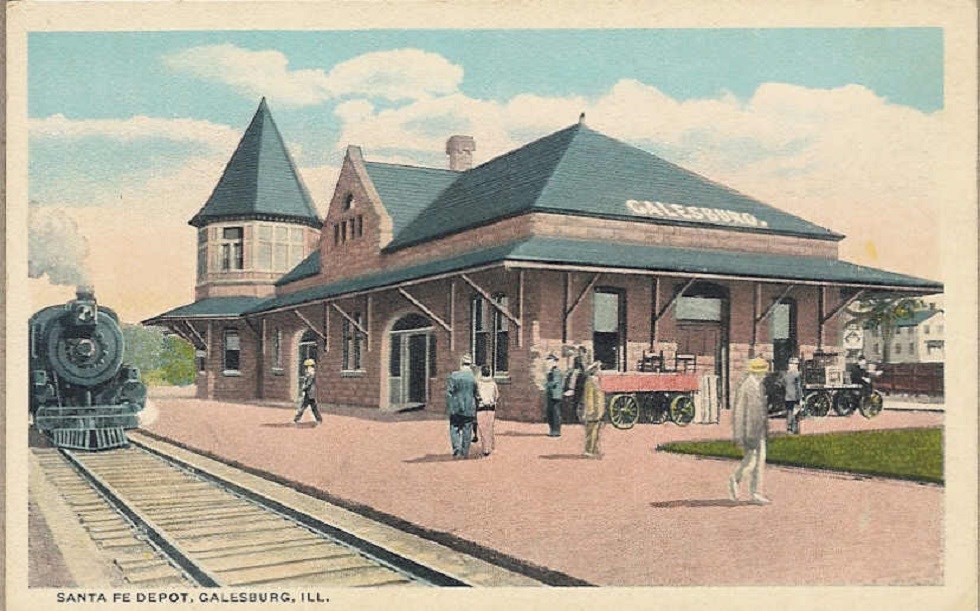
(260,180)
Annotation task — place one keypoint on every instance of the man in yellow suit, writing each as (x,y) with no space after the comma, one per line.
(594,404)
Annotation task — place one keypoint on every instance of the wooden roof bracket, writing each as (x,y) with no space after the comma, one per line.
(500,308)
(775,303)
(673,300)
(837,310)
(349,319)
(418,304)
(309,324)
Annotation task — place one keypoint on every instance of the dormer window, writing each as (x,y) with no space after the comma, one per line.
(348,202)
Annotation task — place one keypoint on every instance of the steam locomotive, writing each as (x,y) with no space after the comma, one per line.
(82,395)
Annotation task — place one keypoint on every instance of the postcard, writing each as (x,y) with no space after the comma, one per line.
(529,305)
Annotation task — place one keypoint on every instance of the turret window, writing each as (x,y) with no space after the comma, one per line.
(280,249)
(231,248)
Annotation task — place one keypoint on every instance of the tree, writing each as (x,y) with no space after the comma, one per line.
(161,358)
(883,313)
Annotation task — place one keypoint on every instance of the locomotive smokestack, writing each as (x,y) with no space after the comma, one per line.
(85,291)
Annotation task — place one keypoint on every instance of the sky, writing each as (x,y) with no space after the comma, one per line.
(129,131)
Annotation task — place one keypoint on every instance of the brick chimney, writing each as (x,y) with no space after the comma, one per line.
(460,150)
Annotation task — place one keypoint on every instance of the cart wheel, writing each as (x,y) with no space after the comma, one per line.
(845,402)
(682,410)
(659,408)
(623,411)
(817,404)
(871,405)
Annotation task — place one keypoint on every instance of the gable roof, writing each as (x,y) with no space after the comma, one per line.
(406,191)
(260,180)
(582,172)
(917,317)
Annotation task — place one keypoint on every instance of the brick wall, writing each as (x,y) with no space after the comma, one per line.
(218,385)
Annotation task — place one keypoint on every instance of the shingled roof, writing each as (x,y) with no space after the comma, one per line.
(260,181)
(573,171)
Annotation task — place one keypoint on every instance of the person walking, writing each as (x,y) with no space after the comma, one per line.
(793,392)
(594,408)
(488,395)
(750,420)
(461,405)
(307,389)
(553,391)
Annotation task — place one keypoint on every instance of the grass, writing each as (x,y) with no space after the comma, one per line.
(912,454)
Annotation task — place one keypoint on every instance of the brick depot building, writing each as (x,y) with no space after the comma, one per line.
(575,239)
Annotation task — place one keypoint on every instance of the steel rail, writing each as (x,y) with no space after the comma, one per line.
(401,564)
(146,526)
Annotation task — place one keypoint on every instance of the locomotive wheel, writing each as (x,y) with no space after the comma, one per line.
(817,404)
(845,402)
(682,410)
(871,405)
(623,411)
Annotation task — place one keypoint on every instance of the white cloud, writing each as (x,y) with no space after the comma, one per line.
(843,158)
(213,135)
(398,74)
(395,75)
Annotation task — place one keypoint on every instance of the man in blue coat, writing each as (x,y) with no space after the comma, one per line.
(461,405)
(553,389)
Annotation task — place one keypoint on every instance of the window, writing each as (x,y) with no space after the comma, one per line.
(232,253)
(202,360)
(336,234)
(703,308)
(925,329)
(202,253)
(934,347)
(898,348)
(353,344)
(349,201)
(264,256)
(360,225)
(489,334)
(911,347)
(232,356)
(277,350)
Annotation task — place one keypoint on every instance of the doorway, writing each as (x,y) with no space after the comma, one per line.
(609,328)
(411,354)
(782,333)
(702,316)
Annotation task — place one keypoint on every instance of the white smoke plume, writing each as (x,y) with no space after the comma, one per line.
(55,246)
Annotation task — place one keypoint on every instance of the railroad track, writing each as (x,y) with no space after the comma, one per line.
(168,524)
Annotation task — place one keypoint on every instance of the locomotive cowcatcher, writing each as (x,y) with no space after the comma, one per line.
(82,396)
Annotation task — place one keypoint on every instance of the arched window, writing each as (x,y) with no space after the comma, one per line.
(307,349)
(348,201)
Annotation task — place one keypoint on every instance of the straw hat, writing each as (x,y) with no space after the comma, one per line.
(466,360)
(758,365)
(309,363)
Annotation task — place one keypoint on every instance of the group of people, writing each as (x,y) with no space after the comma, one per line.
(471,403)
(578,388)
